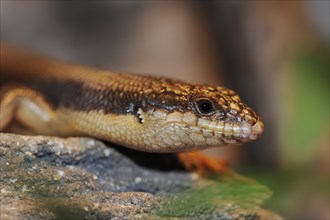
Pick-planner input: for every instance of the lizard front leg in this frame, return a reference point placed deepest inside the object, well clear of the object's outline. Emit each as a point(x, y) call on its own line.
point(27, 107)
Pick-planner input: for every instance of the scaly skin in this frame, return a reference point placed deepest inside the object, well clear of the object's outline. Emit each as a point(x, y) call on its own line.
point(141, 112)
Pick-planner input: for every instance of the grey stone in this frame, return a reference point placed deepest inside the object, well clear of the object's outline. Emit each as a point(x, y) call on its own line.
point(81, 178)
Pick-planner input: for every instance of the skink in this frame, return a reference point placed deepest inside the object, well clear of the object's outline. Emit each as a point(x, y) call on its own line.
point(140, 112)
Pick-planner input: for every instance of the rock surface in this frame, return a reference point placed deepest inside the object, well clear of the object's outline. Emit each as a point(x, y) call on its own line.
point(81, 178)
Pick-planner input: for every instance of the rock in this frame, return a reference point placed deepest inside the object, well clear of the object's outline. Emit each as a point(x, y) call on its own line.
point(81, 178)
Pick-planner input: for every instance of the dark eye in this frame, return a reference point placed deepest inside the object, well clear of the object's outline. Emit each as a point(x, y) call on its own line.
point(204, 106)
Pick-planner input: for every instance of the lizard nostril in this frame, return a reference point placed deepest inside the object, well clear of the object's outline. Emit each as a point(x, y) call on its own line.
point(258, 127)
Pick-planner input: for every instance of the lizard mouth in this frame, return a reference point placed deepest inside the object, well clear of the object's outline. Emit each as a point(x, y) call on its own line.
point(244, 132)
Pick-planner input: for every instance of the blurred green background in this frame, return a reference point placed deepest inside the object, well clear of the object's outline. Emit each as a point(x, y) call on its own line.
point(274, 54)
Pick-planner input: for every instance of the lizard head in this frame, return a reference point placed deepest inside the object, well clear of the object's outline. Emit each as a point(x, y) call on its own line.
point(187, 116)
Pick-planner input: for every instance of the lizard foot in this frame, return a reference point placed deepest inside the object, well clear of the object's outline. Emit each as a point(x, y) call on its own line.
point(204, 165)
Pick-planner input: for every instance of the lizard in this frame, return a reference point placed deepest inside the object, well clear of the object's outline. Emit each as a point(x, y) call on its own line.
point(45, 96)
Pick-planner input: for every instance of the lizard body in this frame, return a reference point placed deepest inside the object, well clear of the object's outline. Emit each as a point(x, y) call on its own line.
point(140, 112)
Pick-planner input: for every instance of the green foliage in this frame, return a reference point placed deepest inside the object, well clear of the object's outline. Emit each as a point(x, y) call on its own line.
point(310, 105)
point(293, 188)
point(224, 194)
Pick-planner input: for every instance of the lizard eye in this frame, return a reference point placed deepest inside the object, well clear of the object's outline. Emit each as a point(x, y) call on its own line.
point(204, 106)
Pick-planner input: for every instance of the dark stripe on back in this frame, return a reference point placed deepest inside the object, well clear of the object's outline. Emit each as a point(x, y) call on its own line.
point(77, 96)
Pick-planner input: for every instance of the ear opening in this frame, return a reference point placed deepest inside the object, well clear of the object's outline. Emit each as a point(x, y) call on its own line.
point(138, 112)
